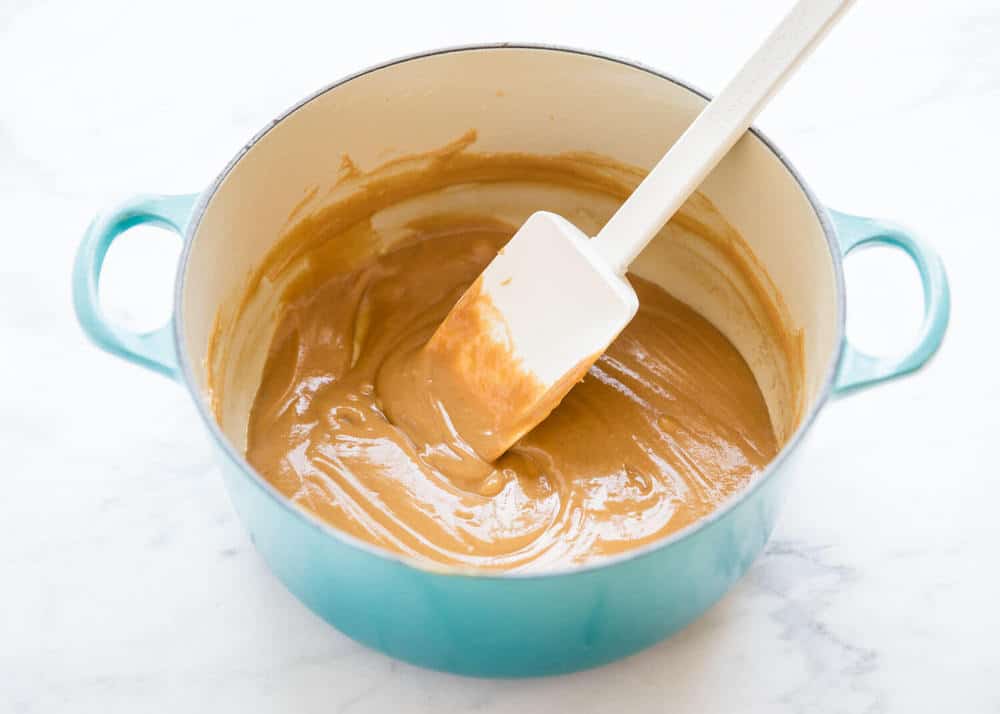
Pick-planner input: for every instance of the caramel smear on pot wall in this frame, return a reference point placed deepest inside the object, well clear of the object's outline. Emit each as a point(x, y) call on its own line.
point(663, 428)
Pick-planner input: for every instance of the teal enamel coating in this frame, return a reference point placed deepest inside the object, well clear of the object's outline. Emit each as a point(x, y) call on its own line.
point(500, 625)
point(857, 368)
point(155, 350)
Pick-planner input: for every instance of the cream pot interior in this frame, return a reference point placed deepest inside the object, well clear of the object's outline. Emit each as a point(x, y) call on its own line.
point(515, 99)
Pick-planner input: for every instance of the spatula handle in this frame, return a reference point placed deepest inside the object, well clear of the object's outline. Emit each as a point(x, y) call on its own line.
point(714, 132)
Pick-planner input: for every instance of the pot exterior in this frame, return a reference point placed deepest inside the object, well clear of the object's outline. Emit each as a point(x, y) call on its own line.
point(506, 626)
point(486, 625)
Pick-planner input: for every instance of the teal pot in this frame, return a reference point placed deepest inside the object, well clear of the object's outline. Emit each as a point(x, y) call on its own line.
point(539, 100)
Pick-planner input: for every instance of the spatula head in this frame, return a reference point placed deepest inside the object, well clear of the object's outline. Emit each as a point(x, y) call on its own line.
point(527, 330)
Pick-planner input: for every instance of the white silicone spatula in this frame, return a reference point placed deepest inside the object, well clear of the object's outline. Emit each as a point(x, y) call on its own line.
point(560, 298)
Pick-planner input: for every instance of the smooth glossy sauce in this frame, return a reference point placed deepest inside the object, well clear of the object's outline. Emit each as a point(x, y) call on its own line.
point(666, 425)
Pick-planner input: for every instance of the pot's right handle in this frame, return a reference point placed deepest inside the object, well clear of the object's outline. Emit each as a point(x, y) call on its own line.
point(155, 350)
point(857, 368)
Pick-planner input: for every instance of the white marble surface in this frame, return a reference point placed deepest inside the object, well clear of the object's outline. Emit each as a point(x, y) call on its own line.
point(128, 585)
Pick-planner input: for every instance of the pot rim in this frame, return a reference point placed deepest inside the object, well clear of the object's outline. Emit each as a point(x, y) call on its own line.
point(239, 460)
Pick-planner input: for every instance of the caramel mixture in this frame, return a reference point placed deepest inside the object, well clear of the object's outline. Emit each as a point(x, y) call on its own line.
point(667, 424)
point(474, 391)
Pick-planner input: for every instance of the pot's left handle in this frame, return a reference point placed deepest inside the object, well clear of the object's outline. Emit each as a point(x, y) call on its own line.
point(155, 350)
point(857, 368)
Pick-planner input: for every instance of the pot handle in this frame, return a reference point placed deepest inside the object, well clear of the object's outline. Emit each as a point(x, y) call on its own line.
point(857, 368)
point(155, 350)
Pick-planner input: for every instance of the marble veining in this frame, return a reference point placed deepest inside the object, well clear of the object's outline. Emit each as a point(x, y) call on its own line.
point(803, 578)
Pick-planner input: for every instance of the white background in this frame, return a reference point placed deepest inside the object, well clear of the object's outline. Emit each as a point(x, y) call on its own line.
point(126, 583)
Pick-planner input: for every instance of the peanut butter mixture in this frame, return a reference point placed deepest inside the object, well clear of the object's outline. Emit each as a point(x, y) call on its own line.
point(667, 424)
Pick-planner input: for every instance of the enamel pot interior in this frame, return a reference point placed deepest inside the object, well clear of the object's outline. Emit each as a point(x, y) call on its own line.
point(524, 99)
